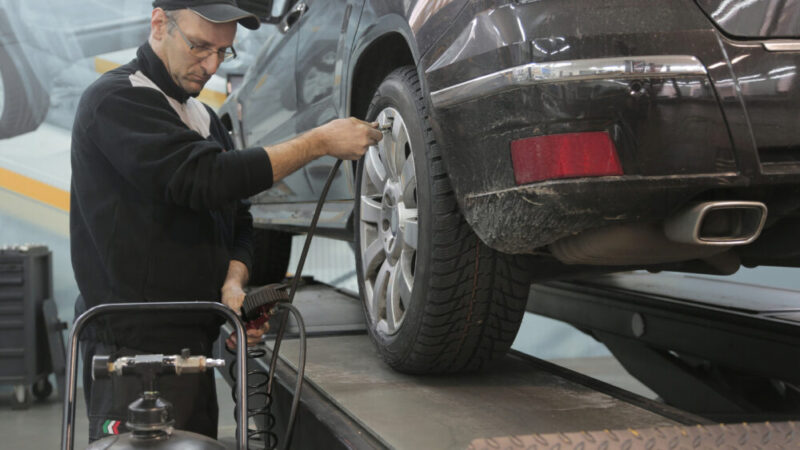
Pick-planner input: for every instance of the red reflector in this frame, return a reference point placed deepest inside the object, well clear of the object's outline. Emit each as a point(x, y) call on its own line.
point(570, 155)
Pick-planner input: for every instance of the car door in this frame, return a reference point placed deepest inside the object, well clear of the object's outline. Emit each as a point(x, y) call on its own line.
point(270, 106)
point(326, 33)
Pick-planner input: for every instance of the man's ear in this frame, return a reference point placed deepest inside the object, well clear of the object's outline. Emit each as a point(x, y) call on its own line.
point(158, 24)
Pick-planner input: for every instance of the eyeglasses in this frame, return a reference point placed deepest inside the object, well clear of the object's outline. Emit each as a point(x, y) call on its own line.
point(203, 52)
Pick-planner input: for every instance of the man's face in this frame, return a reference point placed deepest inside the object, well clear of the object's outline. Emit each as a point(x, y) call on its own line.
point(187, 70)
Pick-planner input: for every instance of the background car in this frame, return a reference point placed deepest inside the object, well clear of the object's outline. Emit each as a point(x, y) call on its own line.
point(529, 140)
point(39, 39)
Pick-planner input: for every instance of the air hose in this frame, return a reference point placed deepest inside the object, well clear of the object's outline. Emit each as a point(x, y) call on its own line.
point(257, 307)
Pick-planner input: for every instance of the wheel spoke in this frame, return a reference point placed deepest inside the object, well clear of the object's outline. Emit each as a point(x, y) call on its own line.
point(400, 135)
point(370, 210)
point(411, 230)
point(402, 289)
point(393, 313)
point(373, 256)
point(386, 148)
point(379, 291)
point(400, 138)
point(408, 180)
point(376, 172)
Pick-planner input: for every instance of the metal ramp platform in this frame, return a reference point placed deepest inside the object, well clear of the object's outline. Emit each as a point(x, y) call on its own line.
point(351, 399)
point(725, 350)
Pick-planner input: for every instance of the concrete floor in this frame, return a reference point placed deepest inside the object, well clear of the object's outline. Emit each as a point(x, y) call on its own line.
point(39, 426)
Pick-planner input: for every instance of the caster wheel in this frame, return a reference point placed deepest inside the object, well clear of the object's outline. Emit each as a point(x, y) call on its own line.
point(42, 389)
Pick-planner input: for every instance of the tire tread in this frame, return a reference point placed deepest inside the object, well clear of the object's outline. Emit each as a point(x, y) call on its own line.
point(476, 297)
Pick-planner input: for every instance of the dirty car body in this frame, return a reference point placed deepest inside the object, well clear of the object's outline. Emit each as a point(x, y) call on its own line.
point(587, 136)
point(694, 114)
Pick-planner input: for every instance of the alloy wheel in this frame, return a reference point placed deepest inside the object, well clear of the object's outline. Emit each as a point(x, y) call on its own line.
point(388, 224)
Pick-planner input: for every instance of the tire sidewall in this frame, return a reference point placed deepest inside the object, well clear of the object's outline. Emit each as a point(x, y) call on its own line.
point(395, 92)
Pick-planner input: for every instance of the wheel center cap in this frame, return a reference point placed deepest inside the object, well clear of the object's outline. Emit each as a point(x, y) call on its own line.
point(390, 219)
point(395, 220)
point(391, 211)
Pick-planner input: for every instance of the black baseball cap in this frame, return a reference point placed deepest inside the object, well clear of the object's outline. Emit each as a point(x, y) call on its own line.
point(216, 11)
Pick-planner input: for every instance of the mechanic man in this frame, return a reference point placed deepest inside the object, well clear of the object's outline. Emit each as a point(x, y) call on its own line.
point(157, 210)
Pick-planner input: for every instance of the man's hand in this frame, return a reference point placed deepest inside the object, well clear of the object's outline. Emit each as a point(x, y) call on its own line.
point(253, 336)
point(347, 138)
point(233, 297)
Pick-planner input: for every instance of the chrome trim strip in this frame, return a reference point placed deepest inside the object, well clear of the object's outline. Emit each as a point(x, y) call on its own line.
point(782, 46)
point(659, 66)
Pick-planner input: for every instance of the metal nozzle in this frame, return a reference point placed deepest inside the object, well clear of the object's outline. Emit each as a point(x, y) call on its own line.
point(215, 362)
point(386, 126)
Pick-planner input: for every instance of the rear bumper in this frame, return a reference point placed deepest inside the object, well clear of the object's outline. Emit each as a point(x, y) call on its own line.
point(645, 80)
point(670, 137)
point(524, 218)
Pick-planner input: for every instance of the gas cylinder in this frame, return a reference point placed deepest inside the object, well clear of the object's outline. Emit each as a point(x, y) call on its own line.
point(150, 416)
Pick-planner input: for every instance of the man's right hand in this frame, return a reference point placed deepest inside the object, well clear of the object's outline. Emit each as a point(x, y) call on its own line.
point(347, 138)
point(341, 138)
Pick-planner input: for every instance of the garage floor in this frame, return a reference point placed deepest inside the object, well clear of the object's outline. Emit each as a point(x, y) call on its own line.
point(39, 427)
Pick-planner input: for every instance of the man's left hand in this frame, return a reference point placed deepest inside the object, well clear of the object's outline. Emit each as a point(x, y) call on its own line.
point(253, 336)
point(233, 297)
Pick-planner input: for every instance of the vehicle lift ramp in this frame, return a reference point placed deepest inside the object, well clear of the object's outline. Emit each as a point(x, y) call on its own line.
point(352, 399)
point(725, 350)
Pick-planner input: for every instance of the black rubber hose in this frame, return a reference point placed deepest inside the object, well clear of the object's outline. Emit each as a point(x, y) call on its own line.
point(285, 318)
point(301, 370)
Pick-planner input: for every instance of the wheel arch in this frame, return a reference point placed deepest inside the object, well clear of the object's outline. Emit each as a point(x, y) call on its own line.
point(376, 61)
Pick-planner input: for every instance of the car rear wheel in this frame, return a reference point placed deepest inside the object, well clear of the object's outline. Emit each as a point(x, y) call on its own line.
point(436, 299)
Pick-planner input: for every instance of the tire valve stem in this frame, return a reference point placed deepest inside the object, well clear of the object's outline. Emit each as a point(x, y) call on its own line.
point(386, 126)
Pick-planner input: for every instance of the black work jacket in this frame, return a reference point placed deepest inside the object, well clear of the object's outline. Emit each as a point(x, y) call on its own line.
point(156, 208)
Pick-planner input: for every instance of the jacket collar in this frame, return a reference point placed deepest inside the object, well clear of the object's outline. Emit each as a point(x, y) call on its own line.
point(154, 69)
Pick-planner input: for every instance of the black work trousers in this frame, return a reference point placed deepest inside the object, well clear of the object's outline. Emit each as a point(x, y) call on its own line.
point(193, 396)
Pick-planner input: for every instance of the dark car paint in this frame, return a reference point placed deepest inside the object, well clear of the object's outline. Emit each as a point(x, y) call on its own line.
point(766, 84)
point(759, 19)
point(659, 137)
point(679, 139)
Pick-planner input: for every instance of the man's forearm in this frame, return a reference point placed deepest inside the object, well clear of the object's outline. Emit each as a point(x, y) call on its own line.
point(237, 275)
point(341, 138)
point(291, 155)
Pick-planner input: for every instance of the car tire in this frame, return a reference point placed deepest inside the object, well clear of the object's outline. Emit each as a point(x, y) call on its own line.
point(272, 250)
point(436, 299)
point(23, 100)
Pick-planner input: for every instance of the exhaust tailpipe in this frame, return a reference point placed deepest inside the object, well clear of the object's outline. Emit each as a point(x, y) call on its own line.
point(717, 223)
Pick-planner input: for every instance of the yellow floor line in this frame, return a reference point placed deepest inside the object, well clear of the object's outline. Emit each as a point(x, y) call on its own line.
point(34, 212)
point(34, 189)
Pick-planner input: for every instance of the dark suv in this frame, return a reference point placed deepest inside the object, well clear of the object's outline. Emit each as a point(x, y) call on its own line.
point(531, 140)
